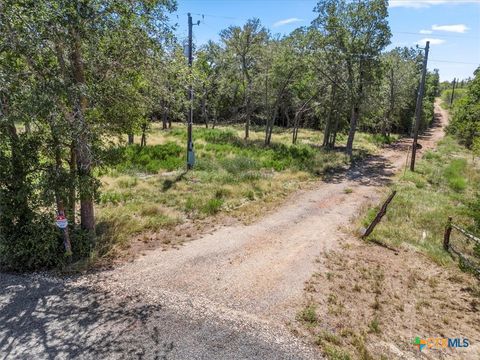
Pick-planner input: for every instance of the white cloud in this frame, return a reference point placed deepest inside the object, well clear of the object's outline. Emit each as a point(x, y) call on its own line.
point(426, 31)
point(426, 3)
point(459, 28)
point(287, 21)
point(432, 41)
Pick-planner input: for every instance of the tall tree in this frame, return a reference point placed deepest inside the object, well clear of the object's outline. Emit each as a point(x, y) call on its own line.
point(357, 31)
point(90, 58)
point(466, 115)
point(245, 45)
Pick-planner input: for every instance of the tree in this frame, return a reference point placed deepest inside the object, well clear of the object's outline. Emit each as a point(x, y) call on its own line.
point(358, 32)
point(465, 124)
point(207, 68)
point(284, 66)
point(244, 45)
point(390, 104)
point(79, 66)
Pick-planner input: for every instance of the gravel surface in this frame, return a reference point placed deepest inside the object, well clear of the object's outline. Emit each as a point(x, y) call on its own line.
point(230, 294)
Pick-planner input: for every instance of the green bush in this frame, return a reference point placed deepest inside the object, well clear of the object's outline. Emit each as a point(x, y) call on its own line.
point(212, 206)
point(113, 197)
point(150, 159)
point(454, 174)
point(219, 136)
point(31, 246)
point(380, 139)
point(239, 164)
point(465, 122)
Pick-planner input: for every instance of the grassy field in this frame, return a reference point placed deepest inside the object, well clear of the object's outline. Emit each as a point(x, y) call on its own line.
point(367, 301)
point(147, 190)
point(446, 183)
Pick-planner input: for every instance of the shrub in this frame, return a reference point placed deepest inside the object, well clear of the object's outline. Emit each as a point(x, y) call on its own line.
point(454, 174)
point(239, 164)
point(113, 197)
point(308, 315)
point(32, 245)
point(150, 159)
point(212, 206)
point(127, 182)
point(220, 136)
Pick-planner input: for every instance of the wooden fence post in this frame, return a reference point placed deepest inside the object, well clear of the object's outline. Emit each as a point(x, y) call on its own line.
point(446, 236)
point(379, 216)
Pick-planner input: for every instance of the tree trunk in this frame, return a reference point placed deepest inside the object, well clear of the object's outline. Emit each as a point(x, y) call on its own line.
point(247, 106)
point(328, 125)
point(72, 193)
point(143, 140)
point(296, 123)
point(204, 107)
point(69, 116)
point(269, 127)
point(164, 118)
point(58, 192)
point(83, 146)
point(28, 129)
point(247, 120)
point(214, 118)
point(353, 129)
point(288, 118)
point(131, 138)
point(333, 135)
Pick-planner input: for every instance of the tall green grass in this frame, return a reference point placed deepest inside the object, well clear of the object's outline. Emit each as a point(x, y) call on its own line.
point(444, 184)
point(145, 189)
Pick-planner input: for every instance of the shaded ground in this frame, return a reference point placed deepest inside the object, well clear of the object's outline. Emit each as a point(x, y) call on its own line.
point(230, 294)
point(43, 318)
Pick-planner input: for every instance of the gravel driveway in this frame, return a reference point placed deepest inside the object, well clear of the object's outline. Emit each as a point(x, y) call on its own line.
point(228, 295)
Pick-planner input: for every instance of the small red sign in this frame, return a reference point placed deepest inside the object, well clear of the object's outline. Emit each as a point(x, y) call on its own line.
point(61, 221)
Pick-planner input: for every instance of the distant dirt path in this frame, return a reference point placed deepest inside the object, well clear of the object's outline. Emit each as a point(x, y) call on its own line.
point(244, 282)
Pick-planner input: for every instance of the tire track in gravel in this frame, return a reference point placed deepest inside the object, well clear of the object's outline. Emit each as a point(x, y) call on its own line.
point(229, 294)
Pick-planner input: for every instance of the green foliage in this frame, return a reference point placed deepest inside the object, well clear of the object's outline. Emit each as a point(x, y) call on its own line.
point(333, 353)
point(93, 73)
point(89, 72)
point(150, 159)
point(308, 315)
point(474, 212)
point(458, 94)
point(431, 92)
point(454, 174)
point(374, 326)
point(465, 124)
point(33, 245)
point(212, 206)
point(444, 184)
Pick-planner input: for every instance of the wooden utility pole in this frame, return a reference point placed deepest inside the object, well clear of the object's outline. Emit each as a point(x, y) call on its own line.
point(453, 90)
point(418, 109)
point(190, 150)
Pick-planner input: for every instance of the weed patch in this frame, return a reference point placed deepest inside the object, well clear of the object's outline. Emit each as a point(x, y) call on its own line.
point(442, 186)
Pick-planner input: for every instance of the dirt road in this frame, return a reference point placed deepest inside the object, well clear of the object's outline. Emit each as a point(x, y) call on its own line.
point(229, 294)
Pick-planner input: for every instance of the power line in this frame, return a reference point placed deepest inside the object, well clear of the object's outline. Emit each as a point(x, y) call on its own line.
point(455, 62)
point(435, 34)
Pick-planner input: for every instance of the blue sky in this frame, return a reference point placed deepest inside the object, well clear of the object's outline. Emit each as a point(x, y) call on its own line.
point(453, 26)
